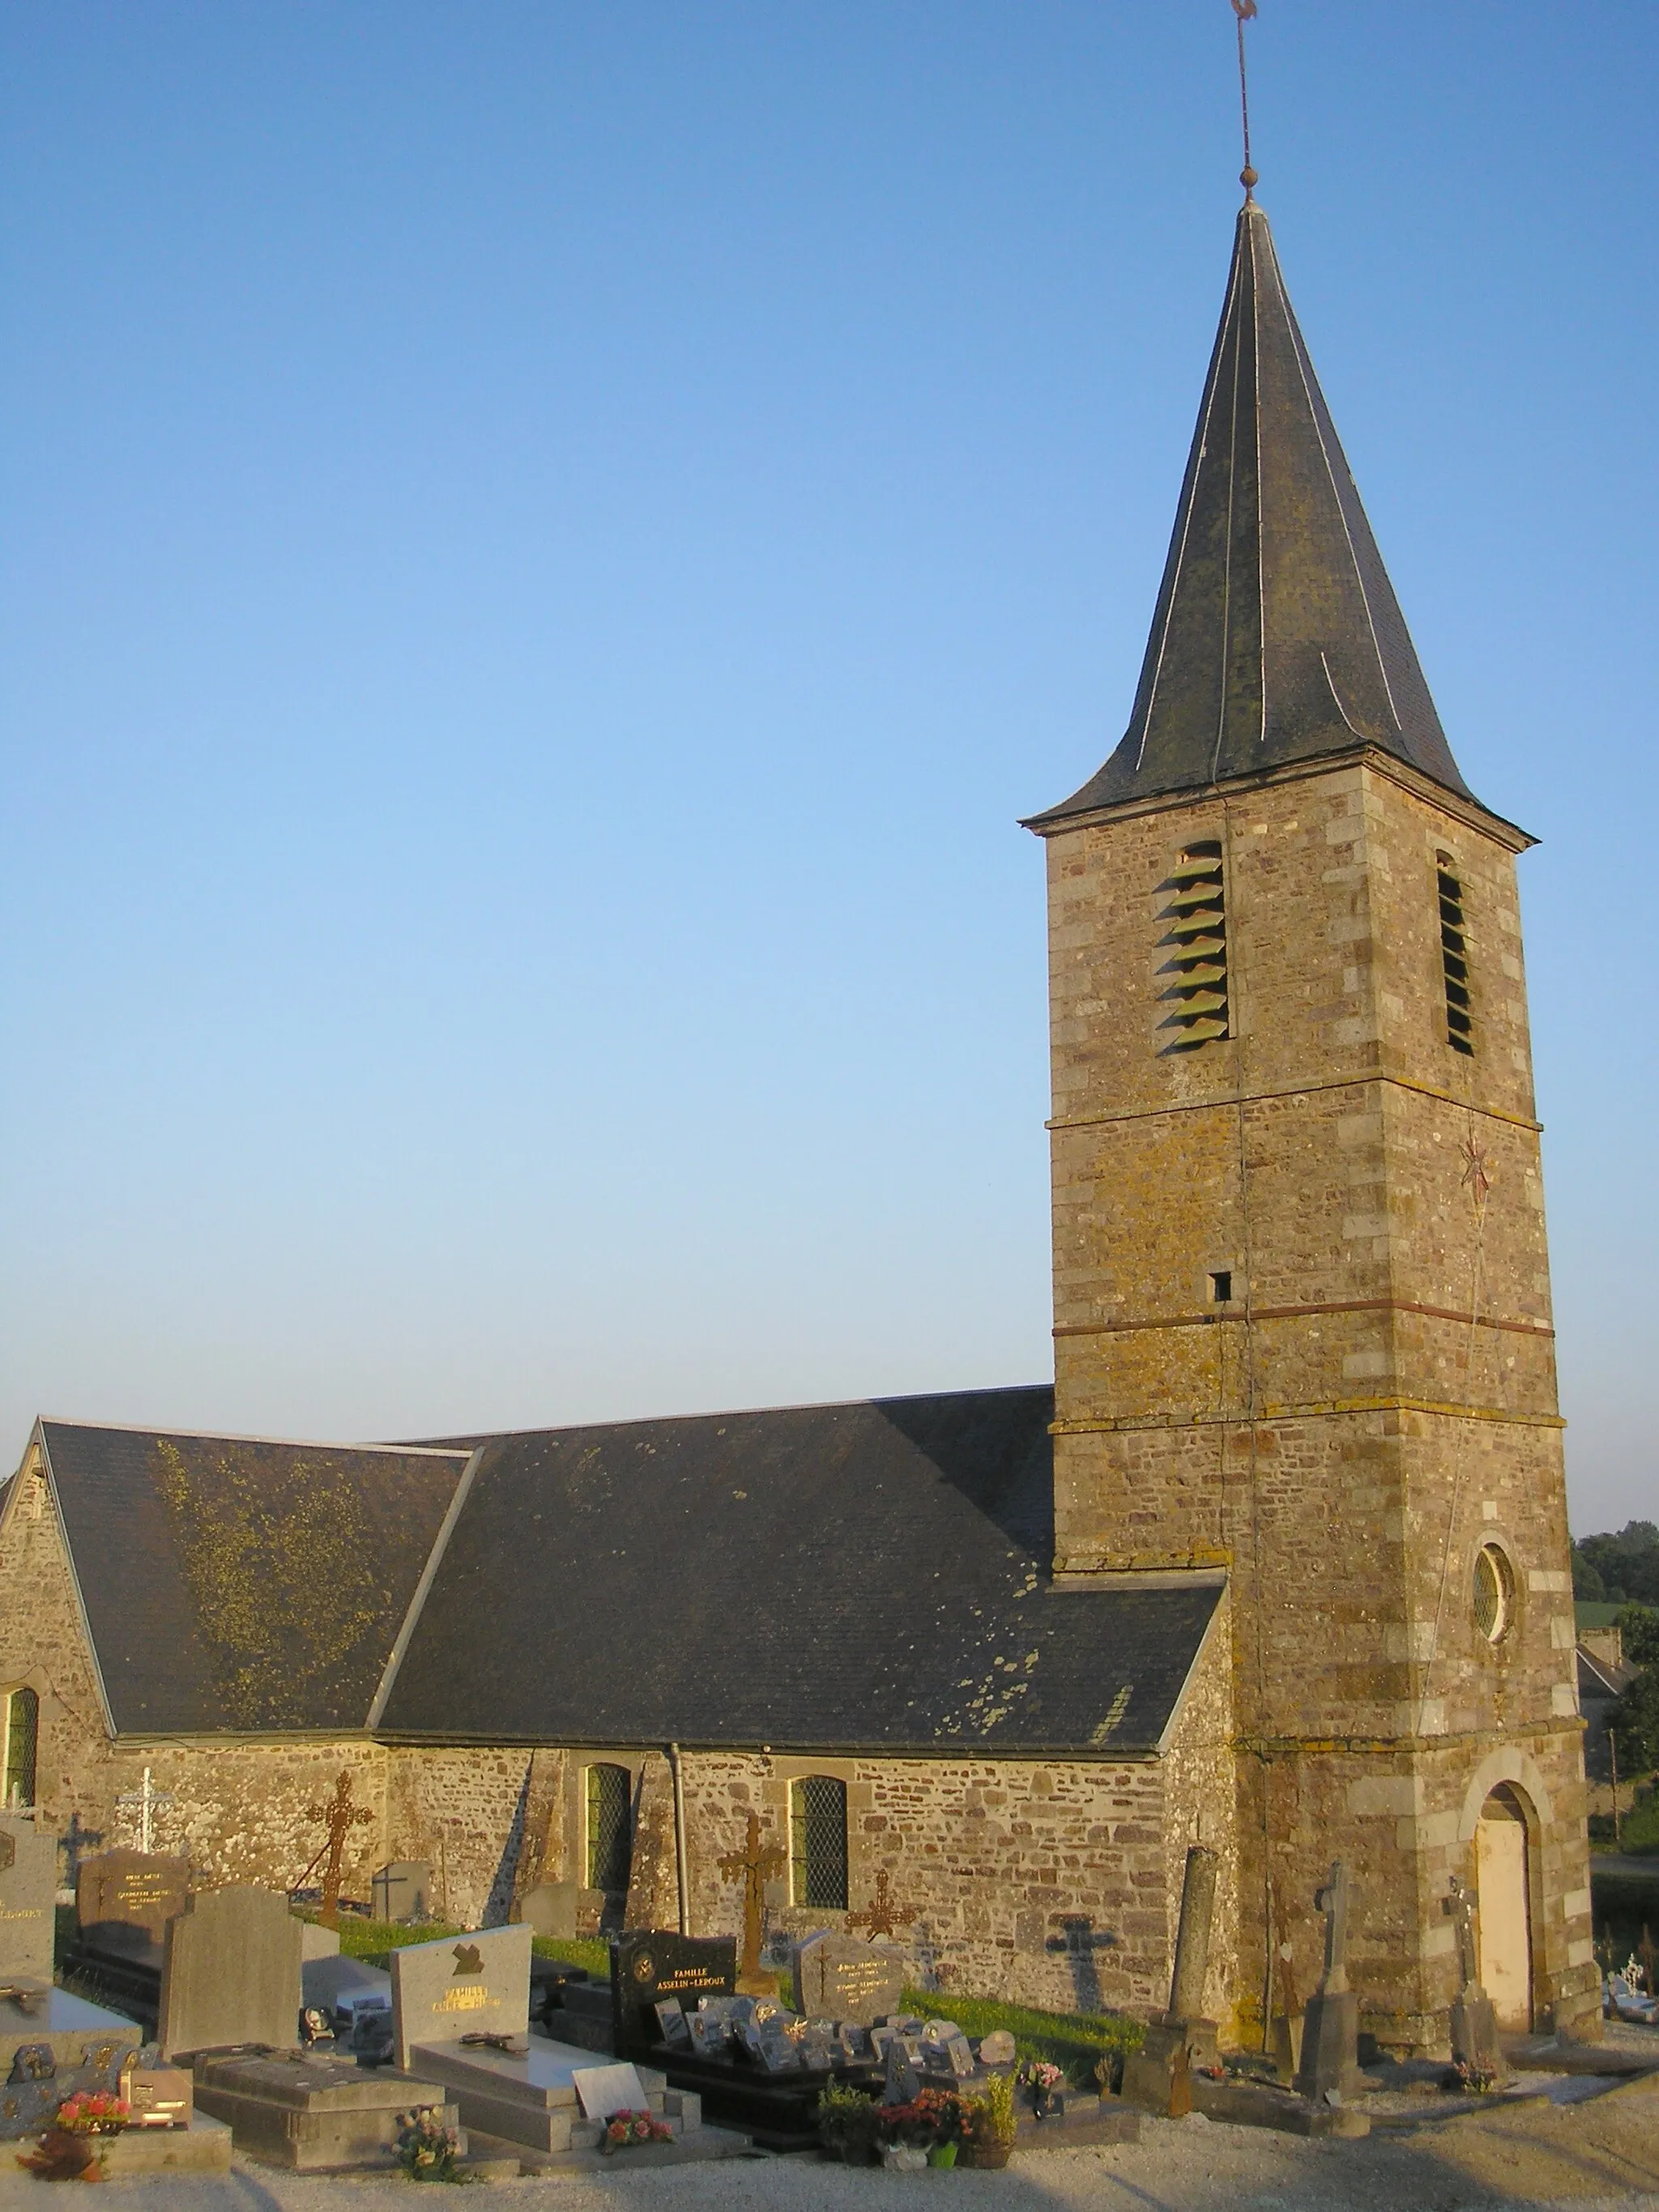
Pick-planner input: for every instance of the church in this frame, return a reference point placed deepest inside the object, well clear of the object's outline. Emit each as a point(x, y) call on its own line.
point(1278, 1564)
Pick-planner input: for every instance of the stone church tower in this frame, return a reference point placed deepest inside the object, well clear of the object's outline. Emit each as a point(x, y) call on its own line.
point(1302, 1304)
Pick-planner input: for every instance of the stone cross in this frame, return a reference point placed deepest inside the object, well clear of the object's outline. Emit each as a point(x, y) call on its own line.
point(882, 1915)
point(342, 1816)
point(146, 1800)
point(754, 1866)
point(1459, 1908)
point(1333, 1901)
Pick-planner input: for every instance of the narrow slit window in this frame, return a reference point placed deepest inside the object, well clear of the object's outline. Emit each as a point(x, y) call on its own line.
point(1221, 1286)
point(1454, 958)
point(1193, 909)
point(817, 1842)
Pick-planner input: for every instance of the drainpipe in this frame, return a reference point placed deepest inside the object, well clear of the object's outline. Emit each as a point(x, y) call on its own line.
point(682, 1880)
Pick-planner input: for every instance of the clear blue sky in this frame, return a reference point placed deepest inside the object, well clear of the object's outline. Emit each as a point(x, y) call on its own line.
point(548, 545)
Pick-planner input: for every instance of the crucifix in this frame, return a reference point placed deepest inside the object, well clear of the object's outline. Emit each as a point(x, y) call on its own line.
point(882, 1915)
point(1459, 1908)
point(342, 1816)
point(146, 1800)
point(754, 1866)
point(1333, 1901)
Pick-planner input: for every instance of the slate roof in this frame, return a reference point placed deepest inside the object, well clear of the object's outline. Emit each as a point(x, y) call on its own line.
point(1277, 637)
point(865, 1576)
point(241, 1585)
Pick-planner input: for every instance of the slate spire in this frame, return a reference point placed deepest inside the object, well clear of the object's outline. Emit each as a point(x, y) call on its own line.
point(1277, 636)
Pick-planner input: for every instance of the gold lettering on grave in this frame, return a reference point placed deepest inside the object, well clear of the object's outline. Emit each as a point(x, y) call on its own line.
point(463, 2000)
point(32, 1912)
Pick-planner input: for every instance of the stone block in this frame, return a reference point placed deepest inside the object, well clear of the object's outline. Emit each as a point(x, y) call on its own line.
point(309, 2113)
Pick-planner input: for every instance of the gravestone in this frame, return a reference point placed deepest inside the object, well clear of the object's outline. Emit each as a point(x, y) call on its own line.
point(402, 1891)
point(1330, 2030)
point(1474, 2036)
point(551, 1909)
point(29, 1904)
point(658, 1964)
point(1157, 2077)
point(903, 2071)
point(124, 1900)
point(842, 1977)
point(460, 1985)
point(997, 2048)
point(230, 1973)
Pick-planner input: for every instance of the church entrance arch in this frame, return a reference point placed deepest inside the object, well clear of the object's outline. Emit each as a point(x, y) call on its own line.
point(1502, 1888)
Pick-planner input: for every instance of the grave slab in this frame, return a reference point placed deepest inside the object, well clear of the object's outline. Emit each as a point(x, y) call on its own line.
point(530, 2099)
point(309, 2113)
point(61, 2045)
point(202, 2148)
point(230, 1973)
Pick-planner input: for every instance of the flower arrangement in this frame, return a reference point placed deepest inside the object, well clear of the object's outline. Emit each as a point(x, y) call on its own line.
point(623, 2130)
point(92, 2112)
point(1462, 2079)
point(933, 2117)
point(427, 2149)
point(1043, 2082)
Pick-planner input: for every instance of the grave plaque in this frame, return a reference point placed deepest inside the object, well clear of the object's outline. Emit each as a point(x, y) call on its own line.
point(843, 1977)
point(460, 1985)
point(997, 2048)
point(903, 2071)
point(671, 2020)
point(230, 1973)
point(652, 1967)
point(402, 1890)
point(603, 2090)
point(124, 1900)
point(29, 1900)
point(710, 2034)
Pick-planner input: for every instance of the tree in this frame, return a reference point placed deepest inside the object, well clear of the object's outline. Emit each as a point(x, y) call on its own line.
point(1635, 1715)
point(1621, 1569)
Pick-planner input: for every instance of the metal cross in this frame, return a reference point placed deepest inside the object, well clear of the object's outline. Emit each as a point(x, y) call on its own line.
point(1459, 1907)
point(147, 1800)
point(754, 1866)
point(1333, 1901)
point(882, 1916)
point(342, 1816)
point(1477, 1174)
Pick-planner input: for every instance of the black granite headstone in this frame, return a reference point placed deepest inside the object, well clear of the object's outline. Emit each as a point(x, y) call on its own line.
point(650, 1966)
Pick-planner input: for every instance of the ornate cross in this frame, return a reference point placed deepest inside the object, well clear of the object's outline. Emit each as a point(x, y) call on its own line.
point(1459, 1907)
point(882, 1915)
point(1477, 1172)
point(1333, 1901)
point(754, 1866)
point(342, 1816)
point(146, 1800)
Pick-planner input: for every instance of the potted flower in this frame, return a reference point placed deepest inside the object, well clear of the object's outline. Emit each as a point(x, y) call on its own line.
point(1045, 2084)
point(948, 2116)
point(993, 2127)
point(847, 2124)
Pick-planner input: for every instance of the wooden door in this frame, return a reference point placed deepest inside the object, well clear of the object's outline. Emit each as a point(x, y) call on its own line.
point(1500, 1873)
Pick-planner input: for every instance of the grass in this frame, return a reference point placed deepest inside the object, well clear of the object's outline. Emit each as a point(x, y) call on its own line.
point(374, 1940)
point(1074, 2041)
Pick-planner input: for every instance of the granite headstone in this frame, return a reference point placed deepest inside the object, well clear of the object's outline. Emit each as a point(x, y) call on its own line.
point(124, 1900)
point(842, 1977)
point(657, 1964)
point(230, 1973)
point(460, 1985)
point(28, 1901)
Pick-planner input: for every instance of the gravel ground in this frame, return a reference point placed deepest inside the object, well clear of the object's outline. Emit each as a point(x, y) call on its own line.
point(1596, 2155)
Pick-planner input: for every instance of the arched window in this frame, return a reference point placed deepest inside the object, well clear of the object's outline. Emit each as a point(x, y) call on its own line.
point(22, 1711)
point(817, 1842)
point(610, 1828)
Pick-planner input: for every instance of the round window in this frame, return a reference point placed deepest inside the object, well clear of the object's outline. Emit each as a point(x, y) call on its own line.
point(1494, 1593)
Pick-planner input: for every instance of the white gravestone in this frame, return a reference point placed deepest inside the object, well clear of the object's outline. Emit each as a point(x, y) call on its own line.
point(460, 1985)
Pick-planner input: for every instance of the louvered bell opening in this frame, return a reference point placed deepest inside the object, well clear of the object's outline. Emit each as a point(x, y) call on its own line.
point(1193, 909)
point(1454, 961)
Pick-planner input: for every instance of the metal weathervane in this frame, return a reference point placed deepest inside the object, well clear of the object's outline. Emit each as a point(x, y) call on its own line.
point(1244, 9)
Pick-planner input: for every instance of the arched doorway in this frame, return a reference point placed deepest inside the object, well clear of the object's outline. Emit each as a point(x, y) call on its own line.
point(1503, 1890)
